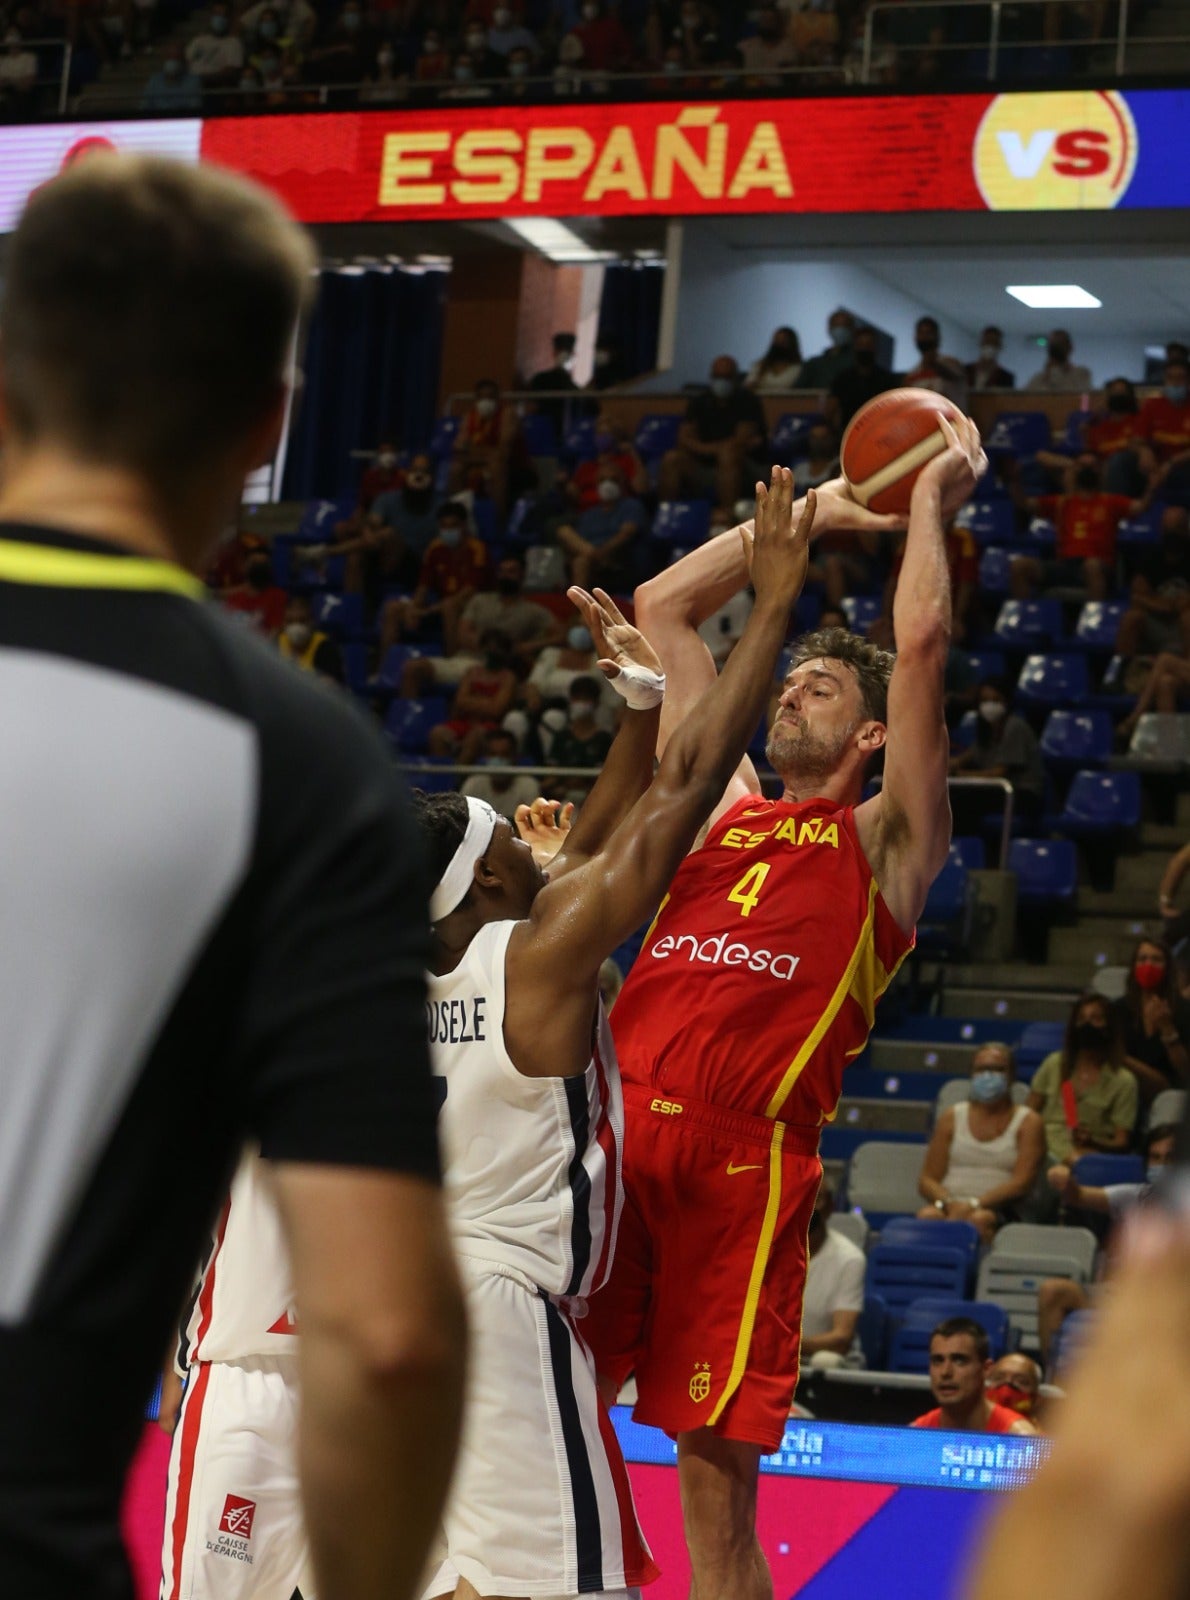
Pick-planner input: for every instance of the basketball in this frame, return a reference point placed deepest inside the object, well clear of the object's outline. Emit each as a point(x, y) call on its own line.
point(887, 443)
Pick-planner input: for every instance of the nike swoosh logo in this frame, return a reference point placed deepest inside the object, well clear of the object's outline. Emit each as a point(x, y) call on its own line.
point(732, 1169)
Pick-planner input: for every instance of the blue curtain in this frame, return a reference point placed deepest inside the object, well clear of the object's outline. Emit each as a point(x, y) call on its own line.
point(371, 369)
point(630, 313)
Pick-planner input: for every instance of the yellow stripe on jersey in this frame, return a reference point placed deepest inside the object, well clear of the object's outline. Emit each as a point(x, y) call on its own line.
point(772, 1210)
point(50, 567)
point(819, 1030)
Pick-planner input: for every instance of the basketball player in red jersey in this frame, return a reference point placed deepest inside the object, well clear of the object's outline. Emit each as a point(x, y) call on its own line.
point(755, 986)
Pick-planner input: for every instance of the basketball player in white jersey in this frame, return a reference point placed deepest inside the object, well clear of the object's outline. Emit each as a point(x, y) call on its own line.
point(532, 1116)
point(233, 1521)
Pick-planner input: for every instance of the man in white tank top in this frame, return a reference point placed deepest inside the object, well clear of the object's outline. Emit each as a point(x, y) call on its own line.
point(532, 1119)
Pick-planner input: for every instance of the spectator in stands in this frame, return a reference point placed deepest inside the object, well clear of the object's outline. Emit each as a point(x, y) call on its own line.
point(1004, 746)
point(617, 450)
point(1058, 1297)
point(1164, 690)
point(767, 52)
point(258, 599)
point(944, 375)
point(307, 646)
point(834, 1294)
point(555, 377)
point(720, 444)
point(433, 60)
point(1015, 1382)
point(484, 695)
point(291, 22)
point(610, 365)
point(822, 462)
point(382, 476)
point(1115, 436)
point(858, 383)
point(228, 568)
point(986, 1152)
point(779, 368)
point(503, 792)
point(695, 35)
point(528, 627)
point(484, 61)
point(1165, 422)
point(346, 51)
point(489, 453)
point(581, 742)
point(986, 372)
point(959, 1367)
point(507, 35)
point(173, 87)
point(557, 667)
point(821, 371)
point(216, 53)
point(1154, 1022)
point(454, 568)
point(1158, 618)
point(1087, 1098)
point(600, 546)
point(597, 42)
point(392, 537)
point(1059, 372)
point(18, 73)
point(384, 82)
point(1087, 520)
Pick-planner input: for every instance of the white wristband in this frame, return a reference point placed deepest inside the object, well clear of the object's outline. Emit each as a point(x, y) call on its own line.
point(640, 687)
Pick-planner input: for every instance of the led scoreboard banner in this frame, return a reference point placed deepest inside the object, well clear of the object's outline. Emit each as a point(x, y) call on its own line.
point(1071, 150)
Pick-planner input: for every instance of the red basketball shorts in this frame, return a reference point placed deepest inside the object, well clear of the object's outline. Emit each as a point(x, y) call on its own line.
point(704, 1303)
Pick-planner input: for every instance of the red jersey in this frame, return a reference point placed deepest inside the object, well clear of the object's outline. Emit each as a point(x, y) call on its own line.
point(758, 981)
point(448, 568)
point(1000, 1421)
point(1116, 430)
point(1086, 523)
point(1165, 425)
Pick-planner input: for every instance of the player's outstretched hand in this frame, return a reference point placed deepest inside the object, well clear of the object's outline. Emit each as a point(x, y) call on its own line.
point(839, 511)
point(777, 552)
point(954, 473)
point(544, 826)
point(617, 643)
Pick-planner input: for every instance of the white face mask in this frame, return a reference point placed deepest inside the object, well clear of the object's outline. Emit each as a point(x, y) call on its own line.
point(386, 459)
point(501, 16)
point(580, 710)
point(590, 13)
point(609, 489)
point(721, 388)
point(993, 710)
point(486, 407)
point(298, 634)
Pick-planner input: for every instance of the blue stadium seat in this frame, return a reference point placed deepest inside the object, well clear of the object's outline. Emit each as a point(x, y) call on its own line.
point(1072, 434)
point(486, 517)
point(873, 1331)
point(388, 674)
point(516, 532)
point(910, 1347)
point(791, 433)
point(988, 521)
point(900, 1274)
point(341, 615)
point(1073, 739)
point(408, 722)
point(1097, 626)
point(442, 439)
point(995, 570)
point(656, 433)
point(1019, 433)
point(541, 438)
point(1029, 624)
point(1041, 535)
point(1101, 803)
point(1100, 1171)
point(986, 664)
point(355, 667)
point(963, 734)
point(579, 439)
point(862, 611)
point(1053, 680)
point(684, 522)
point(806, 612)
point(1046, 871)
point(1142, 529)
point(319, 518)
point(913, 1231)
point(1037, 1040)
point(971, 851)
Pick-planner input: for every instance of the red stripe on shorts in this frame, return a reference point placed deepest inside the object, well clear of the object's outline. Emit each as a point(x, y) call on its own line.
point(638, 1567)
point(206, 1298)
point(191, 1418)
point(607, 1143)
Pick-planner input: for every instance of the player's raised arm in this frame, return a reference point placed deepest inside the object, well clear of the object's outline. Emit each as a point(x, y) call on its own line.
point(671, 607)
point(905, 830)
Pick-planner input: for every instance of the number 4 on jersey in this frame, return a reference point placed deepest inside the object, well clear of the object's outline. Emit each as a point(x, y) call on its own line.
point(747, 892)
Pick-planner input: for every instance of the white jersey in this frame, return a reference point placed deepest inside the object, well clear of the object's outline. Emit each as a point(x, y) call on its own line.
point(243, 1302)
point(532, 1164)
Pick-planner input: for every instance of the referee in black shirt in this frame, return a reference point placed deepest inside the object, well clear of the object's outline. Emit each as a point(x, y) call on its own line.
point(212, 920)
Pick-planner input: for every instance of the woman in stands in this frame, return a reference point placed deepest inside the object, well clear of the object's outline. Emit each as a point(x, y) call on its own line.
point(986, 1153)
point(1004, 746)
point(1085, 1094)
point(1154, 1022)
point(777, 371)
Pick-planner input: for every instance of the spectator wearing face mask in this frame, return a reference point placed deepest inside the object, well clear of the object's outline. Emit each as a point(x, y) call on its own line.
point(557, 667)
point(1165, 421)
point(432, 64)
point(346, 51)
point(484, 695)
point(601, 545)
point(489, 452)
point(822, 463)
point(485, 63)
point(986, 1152)
point(1154, 1022)
point(721, 442)
point(1015, 1383)
point(580, 742)
point(527, 626)
point(384, 82)
point(296, 22)
point(1004, 746)
point(386, 545)
point(454, 568)
point(944, 375)
point(1087, 520)
point(821, 371)
point(1084, 1093)
point(597, 42)
point(382, 474)
point(503, 792)
point(258, 599)
point(616, 450)
point(1059, 372)
point(779, 369)
point(985, 372)
point(173, 87)
point(858, 383)
point(554, 379)
point(765, 53)
point(307, 646)
point(216, 55)
point(507, 34)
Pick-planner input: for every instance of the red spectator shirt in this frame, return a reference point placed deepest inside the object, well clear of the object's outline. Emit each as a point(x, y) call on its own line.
point(1115, 431)
point(1087, 523)
point(446, 569)
point(377, 481)
point(605, 44)
point(587, 474)
point(1000, 1421)
point(264, 608)
point(1166, 426)
point(962, 558)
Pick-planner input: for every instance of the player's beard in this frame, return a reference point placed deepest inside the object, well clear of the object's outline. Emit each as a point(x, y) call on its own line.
point(793, 750)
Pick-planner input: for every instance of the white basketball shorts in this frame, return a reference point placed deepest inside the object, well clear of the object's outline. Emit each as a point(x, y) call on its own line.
point(233, 1520)
point(540, 1504)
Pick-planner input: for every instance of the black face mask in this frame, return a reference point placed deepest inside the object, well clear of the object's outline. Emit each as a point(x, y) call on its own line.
point(1091, 1036)
point(927, 347)
point(1120, 404)
point(865, 358)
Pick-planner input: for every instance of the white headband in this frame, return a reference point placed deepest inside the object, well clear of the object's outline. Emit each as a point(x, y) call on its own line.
point(456, 880)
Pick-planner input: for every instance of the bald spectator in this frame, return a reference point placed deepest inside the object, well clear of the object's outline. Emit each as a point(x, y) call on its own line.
point(1015, 1383)
point(1059, 372)
point(959, 1368)
point(720, 444)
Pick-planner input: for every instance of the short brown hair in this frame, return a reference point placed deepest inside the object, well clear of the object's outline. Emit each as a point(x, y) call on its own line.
point(149, 311)
point(870, 666)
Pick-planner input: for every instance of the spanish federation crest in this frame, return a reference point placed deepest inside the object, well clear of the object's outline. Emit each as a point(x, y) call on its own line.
point(700, 1383)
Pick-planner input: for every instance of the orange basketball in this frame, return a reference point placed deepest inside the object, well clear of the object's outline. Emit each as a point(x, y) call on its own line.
point(887, 443)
